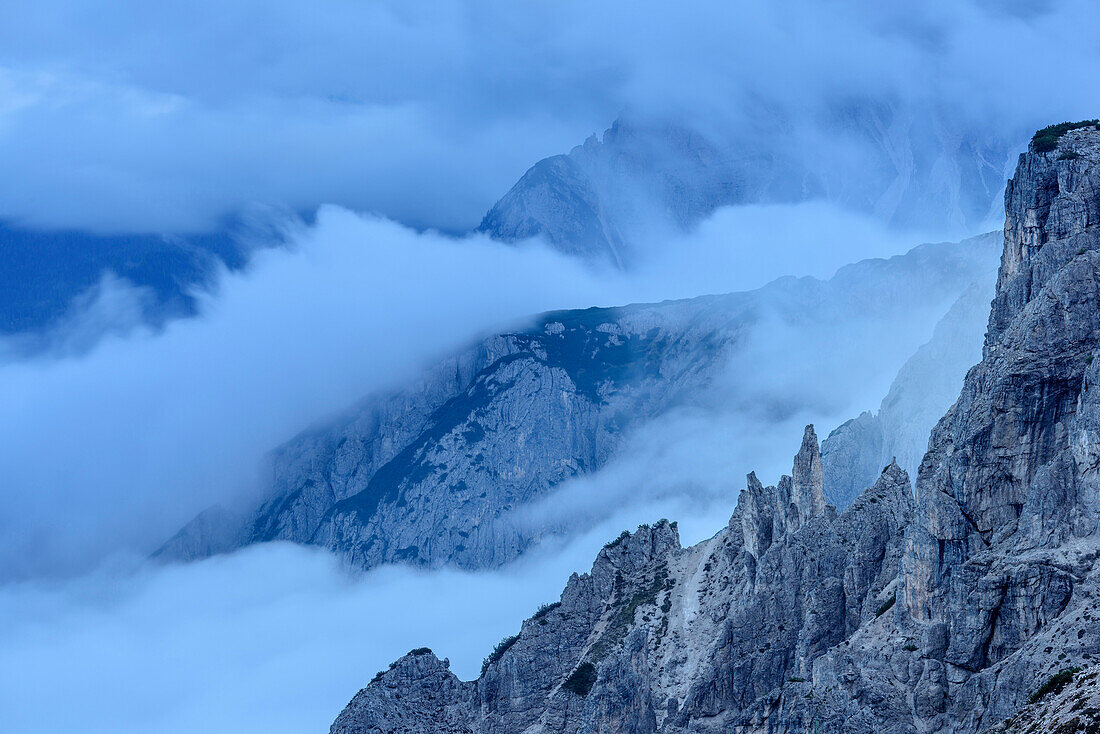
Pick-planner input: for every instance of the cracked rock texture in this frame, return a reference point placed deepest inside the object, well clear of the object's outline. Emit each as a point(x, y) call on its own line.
point(676, 639)
point(946, 613)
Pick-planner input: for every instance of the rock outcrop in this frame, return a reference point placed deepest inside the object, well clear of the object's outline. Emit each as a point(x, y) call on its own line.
point(957, 614)
point(662, 638)
point(429, 474)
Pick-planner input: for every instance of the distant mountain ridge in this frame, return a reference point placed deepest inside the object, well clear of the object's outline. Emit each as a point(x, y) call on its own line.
point(603, 197)
point(925, 387)
point(429, 475)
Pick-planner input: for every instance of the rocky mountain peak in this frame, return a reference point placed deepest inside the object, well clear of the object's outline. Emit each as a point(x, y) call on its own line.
point(770, 513)
point(807, 493)
point(1051, 207)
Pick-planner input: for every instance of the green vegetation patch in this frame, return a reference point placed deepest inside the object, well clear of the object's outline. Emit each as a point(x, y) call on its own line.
point(623, 617)
point(1047, 139)
point(622, 536)
point(886, 605)
point(543, 611)
point(1054, 684)
point(581, 680)
point(498, 652)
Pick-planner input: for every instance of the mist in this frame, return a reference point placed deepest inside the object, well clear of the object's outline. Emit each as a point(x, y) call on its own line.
point(165, 118)
point(118, 446)
point(274, 638)
point(110, 449)
point(384, 131)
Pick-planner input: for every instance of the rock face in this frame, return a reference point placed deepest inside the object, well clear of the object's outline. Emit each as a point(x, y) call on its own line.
point(1068, 701)
point(214, 530)
point(428, 475)
point(662, 638)
point(606, 195)
point(925, 387)
point(949, 615)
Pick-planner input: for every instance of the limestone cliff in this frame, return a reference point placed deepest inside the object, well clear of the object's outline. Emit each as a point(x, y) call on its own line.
point(954, 614)
point(662, 638)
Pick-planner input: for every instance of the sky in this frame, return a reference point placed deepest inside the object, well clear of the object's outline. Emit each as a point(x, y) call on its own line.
point(128, 116)
point(391, 127)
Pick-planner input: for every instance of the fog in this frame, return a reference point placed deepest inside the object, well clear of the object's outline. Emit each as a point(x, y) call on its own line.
point(397, 126)
point(166, 117)
point(111, 448)
point(274, 638)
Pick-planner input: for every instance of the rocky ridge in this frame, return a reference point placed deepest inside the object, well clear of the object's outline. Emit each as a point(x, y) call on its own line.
point(658, 637)
point(943, 615)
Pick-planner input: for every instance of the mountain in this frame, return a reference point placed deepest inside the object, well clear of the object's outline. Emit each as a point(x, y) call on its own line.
point(662, 638)
point(65, 288)
point(908, 169)
point(44, 271)
point(923, 390)
point(969, 607)
point(434, 473)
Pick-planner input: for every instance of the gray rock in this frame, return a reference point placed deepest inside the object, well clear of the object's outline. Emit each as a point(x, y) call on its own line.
point(662, 638)
point(214, 530)
point(949, 615)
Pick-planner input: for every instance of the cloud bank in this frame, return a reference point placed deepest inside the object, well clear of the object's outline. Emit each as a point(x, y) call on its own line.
point(118, 446)
point(274, 638)
point(168, 116)
point(111, 448)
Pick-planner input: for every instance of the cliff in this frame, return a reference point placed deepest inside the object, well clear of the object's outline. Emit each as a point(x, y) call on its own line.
point(953, 613)
point(661, 638)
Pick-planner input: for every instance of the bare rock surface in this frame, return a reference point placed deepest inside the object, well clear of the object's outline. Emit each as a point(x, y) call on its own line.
point(657, 637)
point(950, 612)
point(606, 198)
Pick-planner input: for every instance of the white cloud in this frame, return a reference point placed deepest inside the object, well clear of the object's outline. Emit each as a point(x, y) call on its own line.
point(119, 446)
point(274, 638)
point(169, 116)
point(112, 450)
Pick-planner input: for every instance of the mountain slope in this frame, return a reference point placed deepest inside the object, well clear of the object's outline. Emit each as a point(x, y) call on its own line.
point(660, 638)
point(429, 474)
point(607, 195)
point(948, 614)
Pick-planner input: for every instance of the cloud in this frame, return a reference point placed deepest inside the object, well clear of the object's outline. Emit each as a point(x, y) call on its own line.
point(111, 448)
point(118, 446)
point(168, 116)
point(275, 638)
point(743, 247)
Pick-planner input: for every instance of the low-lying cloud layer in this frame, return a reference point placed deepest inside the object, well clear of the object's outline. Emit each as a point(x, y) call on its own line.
point(111, 450)
point(117, 447)
point(168, 116)
point(274, 638)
